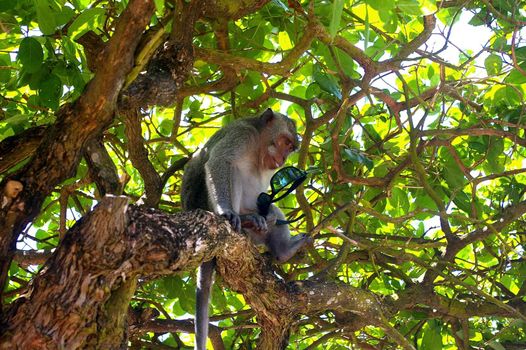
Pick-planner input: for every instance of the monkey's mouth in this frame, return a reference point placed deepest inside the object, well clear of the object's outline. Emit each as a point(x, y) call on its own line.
point(278, 161)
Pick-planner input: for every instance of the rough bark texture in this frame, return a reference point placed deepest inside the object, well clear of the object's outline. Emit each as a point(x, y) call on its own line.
point(19, 147)
point(232, 9)
point(79, 299)
point(277, 304)
point(59, 152)
point(139, 157)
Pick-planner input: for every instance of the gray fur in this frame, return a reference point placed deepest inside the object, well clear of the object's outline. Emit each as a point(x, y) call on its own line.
point(226, 177)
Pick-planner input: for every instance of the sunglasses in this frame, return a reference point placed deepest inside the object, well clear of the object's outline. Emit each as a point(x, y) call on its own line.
point(283, 182)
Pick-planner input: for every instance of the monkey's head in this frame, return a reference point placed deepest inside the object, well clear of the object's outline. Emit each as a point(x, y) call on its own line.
point(279, 138)
point(13, 188)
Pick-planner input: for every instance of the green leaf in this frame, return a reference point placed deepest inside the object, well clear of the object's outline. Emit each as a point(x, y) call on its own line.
point(284, 41)
point(367, 31)
point(432, 338)
point(399, 199)
point(477, 20)
point(5, 68)
point(493, 64)
point(423, 201)
point(219, 298)
point(7, 5)
point(390, 20)
point(327, 82)
point(515, 76)
point(30, 54)
point(337, 9)
point(41, 235)
point(81, 4)
point(382, 5)
point(159, 6)
point(410, 7)
point(500, 43)
point(520, 52)
point(46, 17)
point(64, 16)
point(451, 171)
point(173, 286)
point(86, 21)
point(313, 90)
point(187, 298)
point(356, 156)
point(462, 201)
point(495, 155)
point(50, 92)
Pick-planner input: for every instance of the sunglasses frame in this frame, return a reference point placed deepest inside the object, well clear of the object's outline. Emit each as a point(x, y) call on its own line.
point(264, 204)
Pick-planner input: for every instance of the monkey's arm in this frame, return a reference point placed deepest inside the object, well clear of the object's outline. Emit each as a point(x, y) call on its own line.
point(222, 178)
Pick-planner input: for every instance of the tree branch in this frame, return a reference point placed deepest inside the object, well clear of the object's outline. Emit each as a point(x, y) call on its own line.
point(121, 242)
point(139, 158)
point(16, 148)
point(59, 152)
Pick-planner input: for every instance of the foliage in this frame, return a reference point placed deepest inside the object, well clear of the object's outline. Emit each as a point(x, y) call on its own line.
point(412, 122)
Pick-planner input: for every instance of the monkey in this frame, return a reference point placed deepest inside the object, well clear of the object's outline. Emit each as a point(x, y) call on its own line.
point(226, 176)
point(11, 191)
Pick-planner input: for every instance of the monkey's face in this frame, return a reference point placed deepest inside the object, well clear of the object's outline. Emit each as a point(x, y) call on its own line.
point(13, 188)
point(279, 139)
point(279, 150)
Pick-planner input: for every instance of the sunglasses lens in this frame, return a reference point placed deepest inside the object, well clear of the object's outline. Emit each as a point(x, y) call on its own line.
point(285, 177)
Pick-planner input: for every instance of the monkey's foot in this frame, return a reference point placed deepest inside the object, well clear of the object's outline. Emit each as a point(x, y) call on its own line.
point(254, 222)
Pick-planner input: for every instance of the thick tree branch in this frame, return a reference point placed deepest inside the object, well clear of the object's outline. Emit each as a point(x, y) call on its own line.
point(119, 243)
point(226, 9)
point(16, 148)
point(169, 67)
point(419, 40)
point(172, 326)
point(59, 152)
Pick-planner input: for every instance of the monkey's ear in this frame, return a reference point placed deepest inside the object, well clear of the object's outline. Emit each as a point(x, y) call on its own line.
point(267, 116)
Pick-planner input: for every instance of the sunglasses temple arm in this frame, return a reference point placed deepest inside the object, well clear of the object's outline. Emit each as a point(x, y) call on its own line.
point(289, 190)
point(285, 222)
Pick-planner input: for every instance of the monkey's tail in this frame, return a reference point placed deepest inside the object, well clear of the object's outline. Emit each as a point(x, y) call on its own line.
point(205, 279)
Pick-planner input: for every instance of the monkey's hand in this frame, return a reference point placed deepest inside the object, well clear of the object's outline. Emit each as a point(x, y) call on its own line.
point(233, 218)
point(255, 222)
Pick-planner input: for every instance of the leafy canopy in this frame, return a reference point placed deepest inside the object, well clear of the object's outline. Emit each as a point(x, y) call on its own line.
point(412, 134)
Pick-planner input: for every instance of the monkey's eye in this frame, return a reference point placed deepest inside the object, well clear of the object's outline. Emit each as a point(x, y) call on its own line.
point(289, 143)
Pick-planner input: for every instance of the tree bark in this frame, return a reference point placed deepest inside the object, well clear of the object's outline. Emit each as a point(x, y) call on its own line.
point(80, 298)
point(59, 152)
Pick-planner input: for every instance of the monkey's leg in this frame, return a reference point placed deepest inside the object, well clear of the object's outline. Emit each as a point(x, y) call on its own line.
point(282, 246)
point(205, 279)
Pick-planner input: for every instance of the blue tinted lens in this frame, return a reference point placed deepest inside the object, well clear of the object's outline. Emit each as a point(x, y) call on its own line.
point(285, 177)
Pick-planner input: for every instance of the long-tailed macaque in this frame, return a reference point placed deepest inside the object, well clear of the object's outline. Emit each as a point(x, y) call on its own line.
point(226, 177)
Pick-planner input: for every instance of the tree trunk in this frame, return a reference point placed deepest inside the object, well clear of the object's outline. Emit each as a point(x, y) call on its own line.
point(80, 298)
